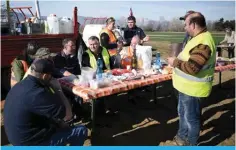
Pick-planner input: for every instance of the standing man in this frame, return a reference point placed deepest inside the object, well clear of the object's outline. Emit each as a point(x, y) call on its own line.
point(66, 61)
point(95, 51)
point(192, 77)
point(131, 30)
point(34, 114)
point(230, 41)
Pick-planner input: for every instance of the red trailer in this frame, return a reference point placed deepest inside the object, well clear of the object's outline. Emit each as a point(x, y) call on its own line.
point(12, 46)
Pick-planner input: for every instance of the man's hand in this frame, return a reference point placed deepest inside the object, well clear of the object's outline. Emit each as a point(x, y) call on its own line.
point(67, 73)
point(69, 115)
point(171, 60)
point(119, 45)
point(146, 39)
point(55, 84)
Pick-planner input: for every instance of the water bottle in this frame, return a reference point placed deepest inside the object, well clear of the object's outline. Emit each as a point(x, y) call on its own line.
point(99, 68)
point(158, 61)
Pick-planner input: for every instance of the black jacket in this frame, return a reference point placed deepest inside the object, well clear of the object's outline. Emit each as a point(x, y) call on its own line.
point(64, 63)
point(129, 33)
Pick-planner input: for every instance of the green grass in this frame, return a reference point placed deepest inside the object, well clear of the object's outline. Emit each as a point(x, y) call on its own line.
point(176, 37)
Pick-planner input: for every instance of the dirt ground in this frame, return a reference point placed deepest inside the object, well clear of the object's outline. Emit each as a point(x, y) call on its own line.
point(147, 123)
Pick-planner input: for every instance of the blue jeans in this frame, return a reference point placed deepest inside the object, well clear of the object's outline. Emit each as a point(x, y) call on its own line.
point(189, 111)
point(74, 136)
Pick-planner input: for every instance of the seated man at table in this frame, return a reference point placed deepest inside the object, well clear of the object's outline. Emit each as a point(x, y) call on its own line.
point(229, 40)
point(66, 61)
point(34, 114)
point(95, 51)
point(127, 52)
point(44, 53)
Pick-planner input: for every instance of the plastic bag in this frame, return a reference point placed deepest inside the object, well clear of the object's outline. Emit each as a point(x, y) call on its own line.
point(144, 56)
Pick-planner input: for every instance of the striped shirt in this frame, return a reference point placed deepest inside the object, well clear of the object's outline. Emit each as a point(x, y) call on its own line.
point(199, 56)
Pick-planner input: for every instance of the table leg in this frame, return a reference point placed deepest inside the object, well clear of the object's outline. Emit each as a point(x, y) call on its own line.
point(93, 115)
point(220, 79)
point(154, 93)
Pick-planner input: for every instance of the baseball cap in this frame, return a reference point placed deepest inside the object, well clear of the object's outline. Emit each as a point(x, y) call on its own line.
point(186, 15)
point(43, 52)
point(43, 66)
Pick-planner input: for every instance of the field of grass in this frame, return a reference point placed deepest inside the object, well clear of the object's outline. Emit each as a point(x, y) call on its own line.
point(177, 37)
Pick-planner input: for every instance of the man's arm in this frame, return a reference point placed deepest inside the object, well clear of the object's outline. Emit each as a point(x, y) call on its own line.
point(105, 42)
point(225, 40)
point(48, 105)
point(198, 58)
point(127, 39)
point(57, 87)
point(59, 67)
point(85, 60)
point(142, 34)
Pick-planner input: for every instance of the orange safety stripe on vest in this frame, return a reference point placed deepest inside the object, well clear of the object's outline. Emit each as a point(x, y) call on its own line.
point(127, 60)
point(13, 79)
point(112, 40)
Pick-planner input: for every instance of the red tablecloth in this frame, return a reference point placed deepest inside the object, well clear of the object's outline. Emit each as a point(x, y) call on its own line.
point(118, 87)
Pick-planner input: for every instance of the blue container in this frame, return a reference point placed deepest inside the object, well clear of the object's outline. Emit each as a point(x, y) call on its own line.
point(99, 68)
point(158, 61)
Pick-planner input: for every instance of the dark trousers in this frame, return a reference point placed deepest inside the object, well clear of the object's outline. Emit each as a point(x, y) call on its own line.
point(231, 52)
point(74, 136)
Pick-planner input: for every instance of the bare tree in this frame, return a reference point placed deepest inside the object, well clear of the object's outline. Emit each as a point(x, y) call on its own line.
point(176, 25)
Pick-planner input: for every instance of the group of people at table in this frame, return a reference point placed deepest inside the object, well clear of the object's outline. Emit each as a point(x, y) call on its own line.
point(36, 109)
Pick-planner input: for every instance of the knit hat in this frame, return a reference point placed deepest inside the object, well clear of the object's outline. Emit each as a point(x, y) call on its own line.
point(43, 52)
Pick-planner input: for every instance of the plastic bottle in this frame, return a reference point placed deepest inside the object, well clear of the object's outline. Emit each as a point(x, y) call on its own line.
point(158, 61)
point(134, 60)
point(99, 68)
point(53, 24)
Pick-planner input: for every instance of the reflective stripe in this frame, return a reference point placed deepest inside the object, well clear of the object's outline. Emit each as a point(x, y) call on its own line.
point(209, 66)
point(112, 40)
point(192, 78)
point(51, 89)
point(93, 61)
point(112, 52)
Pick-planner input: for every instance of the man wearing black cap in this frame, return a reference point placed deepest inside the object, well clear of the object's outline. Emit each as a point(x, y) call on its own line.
point(33, 113)
point(131, 30)
point(186, 38)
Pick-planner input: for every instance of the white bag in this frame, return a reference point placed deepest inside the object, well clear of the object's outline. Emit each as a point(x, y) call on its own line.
point(144, 56)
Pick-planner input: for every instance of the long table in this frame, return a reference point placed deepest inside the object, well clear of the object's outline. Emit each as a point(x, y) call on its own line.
point(90, 95)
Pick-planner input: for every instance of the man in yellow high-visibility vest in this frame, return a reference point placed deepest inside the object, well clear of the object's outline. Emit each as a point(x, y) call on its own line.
point(192, 77)
point(95, 51)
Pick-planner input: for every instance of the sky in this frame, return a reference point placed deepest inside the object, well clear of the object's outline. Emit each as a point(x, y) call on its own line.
point(154, 10)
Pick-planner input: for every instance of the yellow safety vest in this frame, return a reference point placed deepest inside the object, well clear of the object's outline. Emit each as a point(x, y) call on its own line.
point(200, 84)
point(105, 55)
point(112, 40)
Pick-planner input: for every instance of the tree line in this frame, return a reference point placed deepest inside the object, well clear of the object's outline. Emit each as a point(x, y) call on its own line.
point(176, 25)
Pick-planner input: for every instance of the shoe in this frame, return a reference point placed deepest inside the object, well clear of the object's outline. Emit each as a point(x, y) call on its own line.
point(179, 141)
